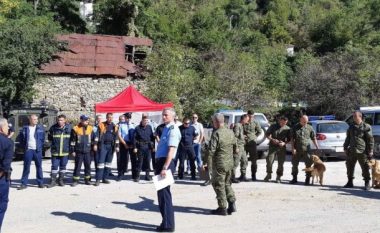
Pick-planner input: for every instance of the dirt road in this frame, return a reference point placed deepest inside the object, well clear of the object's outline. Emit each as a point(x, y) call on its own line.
point(132, 207)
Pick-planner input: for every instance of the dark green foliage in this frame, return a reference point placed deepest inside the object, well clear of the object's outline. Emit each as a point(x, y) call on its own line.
point(26, 42)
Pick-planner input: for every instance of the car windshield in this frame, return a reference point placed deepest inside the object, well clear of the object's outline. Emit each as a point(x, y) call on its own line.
point(334, 127)
point(261, 119)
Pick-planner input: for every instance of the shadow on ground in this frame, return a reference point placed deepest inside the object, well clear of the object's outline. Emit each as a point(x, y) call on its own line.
point(147, 204)
point(356, 191)
point(105, 223)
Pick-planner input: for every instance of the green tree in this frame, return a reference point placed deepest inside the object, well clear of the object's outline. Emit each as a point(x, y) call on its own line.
point(26, 42)
point(65, 12)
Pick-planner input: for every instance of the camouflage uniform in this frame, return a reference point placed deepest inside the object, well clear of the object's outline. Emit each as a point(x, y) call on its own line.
point(359, 144)
point(251, 130)
point(222, 144)
point(302, 135)
point(242, 155)
point(281, 134)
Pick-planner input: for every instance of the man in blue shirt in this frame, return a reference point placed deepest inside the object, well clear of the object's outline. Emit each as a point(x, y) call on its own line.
point(186, 148)
point(31, 139)
point(6, 155)
point(125, 134)
point(166, 150)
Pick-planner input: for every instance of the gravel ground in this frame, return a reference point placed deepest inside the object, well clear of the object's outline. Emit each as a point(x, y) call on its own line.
point(132, 207)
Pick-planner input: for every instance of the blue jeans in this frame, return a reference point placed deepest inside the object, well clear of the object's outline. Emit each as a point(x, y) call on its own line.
point(198, 156)
point(104, 162)
point(4, 193)
point(58, 163)
point(37, 158)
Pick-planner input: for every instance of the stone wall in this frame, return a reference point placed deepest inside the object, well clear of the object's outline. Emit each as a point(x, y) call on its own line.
point(76, 95)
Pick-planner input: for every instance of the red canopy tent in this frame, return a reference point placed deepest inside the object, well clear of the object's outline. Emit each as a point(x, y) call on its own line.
point(130, 100)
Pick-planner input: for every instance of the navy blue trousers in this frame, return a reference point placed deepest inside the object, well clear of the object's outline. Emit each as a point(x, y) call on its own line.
point(123, 159)
point(37, 158)
point(104, 162)
point(59, 163)
point(143, 160)
point(4, 193)
point(79, 159)
point(164, 195)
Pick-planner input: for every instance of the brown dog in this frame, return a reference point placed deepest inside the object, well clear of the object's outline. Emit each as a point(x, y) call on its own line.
point(375, 167)
point(316, 170)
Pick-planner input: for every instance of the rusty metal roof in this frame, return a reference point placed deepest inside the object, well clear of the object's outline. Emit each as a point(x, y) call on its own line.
point(94, 55)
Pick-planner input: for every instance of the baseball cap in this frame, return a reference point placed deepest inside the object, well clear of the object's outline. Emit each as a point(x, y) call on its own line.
point(84, 117)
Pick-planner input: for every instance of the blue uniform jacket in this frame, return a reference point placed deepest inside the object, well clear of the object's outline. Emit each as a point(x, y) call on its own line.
point(6, 153)
point(143, 137)
point(60, 140)
point(39, 135)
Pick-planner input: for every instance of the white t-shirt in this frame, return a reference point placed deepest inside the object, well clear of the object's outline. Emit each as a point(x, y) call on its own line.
point(32, 144)
point(199, 129)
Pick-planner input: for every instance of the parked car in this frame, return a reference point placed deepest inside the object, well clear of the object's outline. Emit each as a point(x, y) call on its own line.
point(371, 115)
point(330, 135)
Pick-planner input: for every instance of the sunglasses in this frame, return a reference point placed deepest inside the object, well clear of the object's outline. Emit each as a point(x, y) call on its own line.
point(186, 123)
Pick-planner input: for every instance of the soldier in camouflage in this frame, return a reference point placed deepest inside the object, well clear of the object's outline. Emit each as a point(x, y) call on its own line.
point(302, 134)
point(278, 136)
point(240, 157)
point(358, 147)
point(252, 130)
point(222, 147)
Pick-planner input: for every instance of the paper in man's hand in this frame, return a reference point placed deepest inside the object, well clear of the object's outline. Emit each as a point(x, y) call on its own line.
point(163, 182)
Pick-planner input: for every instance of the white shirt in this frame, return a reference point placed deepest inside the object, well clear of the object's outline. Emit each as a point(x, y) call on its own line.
point(199, 129)
point(32, 144)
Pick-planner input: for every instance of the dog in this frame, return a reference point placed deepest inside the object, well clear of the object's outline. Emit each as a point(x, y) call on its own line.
point(316, 170)
point(375, 167)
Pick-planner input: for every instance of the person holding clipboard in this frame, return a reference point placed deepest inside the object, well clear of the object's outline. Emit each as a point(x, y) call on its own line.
point(166, 150)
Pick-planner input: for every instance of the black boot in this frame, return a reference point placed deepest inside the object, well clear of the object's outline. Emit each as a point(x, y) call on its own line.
point(367, 187)
point(105, 181)
point(243, 178)
point(268, 177)
point(61, 179)
point(349, 184)
point(147, 176)
point(53, 181)
point(234, 180)
point(254, 176)
point(75, 183)
point(307, 180)
point(231, 207)
point(219, 211)
point(97, 183)
point(87, 181)
point(294, 181)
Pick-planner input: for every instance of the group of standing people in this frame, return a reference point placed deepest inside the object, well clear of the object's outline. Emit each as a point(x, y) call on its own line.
point(225, 151)
point(88, 143)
